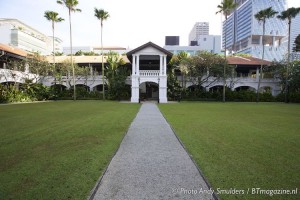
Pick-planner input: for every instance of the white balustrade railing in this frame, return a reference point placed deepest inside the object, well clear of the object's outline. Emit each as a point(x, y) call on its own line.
point(149, 72)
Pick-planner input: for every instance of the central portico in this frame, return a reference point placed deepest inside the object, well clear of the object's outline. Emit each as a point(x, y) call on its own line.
point(149, 67)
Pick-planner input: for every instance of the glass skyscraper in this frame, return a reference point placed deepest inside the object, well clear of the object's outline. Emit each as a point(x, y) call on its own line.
point(244, 32)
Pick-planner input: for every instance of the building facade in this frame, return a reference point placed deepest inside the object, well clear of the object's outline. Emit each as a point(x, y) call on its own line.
point(200, 28)
point(244, 33)
point(209, 43)
point(148, 73)
point(17, 34)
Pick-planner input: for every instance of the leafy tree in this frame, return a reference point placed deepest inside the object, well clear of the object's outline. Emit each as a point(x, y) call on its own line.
point(199, 69)
point(102, 15)
point(288, 14)
point(185, 67)
point(262, 16)
point(34, 67)
point(38, 66)
point(63, 74)
point(91, 53)
point(279, 70)
point(295, 76)
point(206, 68)
point(71, 6)
point(174, 87)
point(16, 69)
point(59, 53)
point(226, 8)
point(79, 53)
point(178, 62)
point(297, 44)
point(116, 75)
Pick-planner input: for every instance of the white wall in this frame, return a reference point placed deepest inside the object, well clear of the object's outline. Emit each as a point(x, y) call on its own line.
point(5, 34)
point(210, 43)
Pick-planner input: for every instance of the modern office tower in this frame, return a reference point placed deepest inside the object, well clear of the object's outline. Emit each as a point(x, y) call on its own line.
point(244, 32)
point(172, 40)
point(200, 28)
point(295, 31)
point(17, 34)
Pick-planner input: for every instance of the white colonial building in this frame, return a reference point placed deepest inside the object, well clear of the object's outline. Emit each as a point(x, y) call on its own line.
point(149, 72)
point(148, 67)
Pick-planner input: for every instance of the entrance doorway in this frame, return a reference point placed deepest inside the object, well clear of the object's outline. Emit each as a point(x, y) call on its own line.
point(149, 91)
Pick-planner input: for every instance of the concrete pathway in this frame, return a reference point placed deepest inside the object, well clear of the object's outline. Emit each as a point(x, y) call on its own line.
point(151, 164)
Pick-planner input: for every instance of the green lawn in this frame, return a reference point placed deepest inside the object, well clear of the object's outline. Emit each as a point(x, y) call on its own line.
point(58, 150)
point(242, 145)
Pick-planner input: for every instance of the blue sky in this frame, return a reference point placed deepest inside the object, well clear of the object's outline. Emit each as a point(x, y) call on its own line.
point(132, 22)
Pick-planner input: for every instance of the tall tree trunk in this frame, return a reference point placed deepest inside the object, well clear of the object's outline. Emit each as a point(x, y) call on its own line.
point(262, 60)
point(224, 68)
point(103, 85)
point(54, 69)
point(73, 69)
point(286, 95)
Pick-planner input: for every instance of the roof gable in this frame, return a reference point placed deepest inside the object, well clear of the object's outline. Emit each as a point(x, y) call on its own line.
point(148, 49)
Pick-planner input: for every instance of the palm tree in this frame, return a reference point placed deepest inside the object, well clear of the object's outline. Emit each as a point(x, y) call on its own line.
point(226, 8)
point(53, 17)
point(71, 5)
point(262, 16)
point(288, 14)
point(102, 15)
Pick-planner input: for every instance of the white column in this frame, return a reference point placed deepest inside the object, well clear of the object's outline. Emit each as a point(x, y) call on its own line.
point(165, 65)
point(133, 65)
point(91, 70)
point(163, 89)
point(260, 40)
point(26, 68)
point(138, 65)
point(160, 65)
point(257, 74)
point(135, 85)
point(4, 65)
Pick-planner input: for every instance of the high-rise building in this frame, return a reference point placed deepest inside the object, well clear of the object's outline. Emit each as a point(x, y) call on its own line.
point(17, 34)
point(295, 31)
point(172, 40)
point(244, 32)
point(200, 28)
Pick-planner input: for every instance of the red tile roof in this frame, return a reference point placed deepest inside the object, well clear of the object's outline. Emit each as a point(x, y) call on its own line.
point(238, 60)
point(13, 50)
